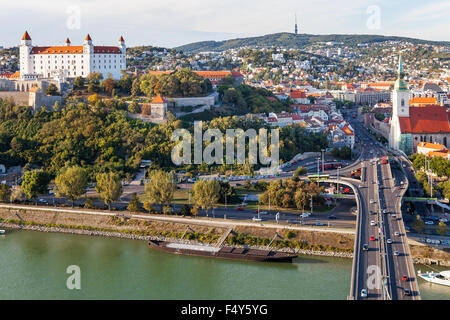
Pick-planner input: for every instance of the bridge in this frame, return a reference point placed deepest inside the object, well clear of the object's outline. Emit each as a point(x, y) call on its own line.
point(382, 264)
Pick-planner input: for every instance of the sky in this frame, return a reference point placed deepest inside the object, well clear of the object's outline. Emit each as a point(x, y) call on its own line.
point(171, 23)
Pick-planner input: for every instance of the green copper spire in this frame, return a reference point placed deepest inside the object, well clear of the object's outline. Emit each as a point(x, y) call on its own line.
point(400, 84)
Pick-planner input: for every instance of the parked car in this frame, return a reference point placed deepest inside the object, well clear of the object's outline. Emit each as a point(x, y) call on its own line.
point(365, 247)
point(407, 292)
point(396, 253)
point(389, 241)
point(372, 238)
point(405, 278)
point(364, 293)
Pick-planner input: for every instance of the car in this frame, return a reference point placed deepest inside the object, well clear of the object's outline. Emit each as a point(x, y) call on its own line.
point(373, 212)
point(364, 293)
point(396, 253)
point(332, 217)
point(393, 216)
point(240, 209)
point(397, 234)
point(389, 241)
point(429, 222)
point(373, 223)
point(43, 201)
point(263, 212)
point(407, 292)
point(256, 219)
point(319, 224)
point(365, 247)
point(405, 278)
point(398, 196)
point(372, 238)
point(372, 201)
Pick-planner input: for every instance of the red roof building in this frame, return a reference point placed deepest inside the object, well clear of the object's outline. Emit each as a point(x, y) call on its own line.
point(430, 119)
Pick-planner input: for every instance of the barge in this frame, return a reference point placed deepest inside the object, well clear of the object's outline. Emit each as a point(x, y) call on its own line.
point(234, 253)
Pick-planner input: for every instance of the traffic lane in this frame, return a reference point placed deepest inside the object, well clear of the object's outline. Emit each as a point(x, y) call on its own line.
point(399, 264)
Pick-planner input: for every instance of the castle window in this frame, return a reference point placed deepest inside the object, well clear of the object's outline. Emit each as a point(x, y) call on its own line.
point(403, 103)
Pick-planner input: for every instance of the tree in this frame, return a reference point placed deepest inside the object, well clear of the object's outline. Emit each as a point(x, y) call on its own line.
point(52, 90)
point(442, 229)
point(109, 187)
point(135, 88)
point(194, 211)
point(185, 210)
point(78, 82)
point(35, 182)
point(93, 98)
point(161, 187)
point(206, 194)
point(5, 193)
point(300, 171)
point(419, 225)
point(17, 195)
point(134, 107)
point(135, 204)
point(109, 85)
point(72, 183)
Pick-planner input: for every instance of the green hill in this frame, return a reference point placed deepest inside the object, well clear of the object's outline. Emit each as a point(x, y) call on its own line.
point(291, 40)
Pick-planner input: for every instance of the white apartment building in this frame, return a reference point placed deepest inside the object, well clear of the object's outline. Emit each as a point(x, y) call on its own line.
point(70, 61)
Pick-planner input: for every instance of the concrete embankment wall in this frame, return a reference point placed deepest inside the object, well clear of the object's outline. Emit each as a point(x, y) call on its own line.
point(105, 224)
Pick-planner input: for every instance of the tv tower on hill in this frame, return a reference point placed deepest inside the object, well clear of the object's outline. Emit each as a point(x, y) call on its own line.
point(296, 27)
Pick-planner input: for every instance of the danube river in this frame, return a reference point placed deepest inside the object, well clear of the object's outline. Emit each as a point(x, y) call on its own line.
point(33, 265)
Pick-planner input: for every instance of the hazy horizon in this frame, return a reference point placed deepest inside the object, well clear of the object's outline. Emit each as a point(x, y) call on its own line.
point(173, 23)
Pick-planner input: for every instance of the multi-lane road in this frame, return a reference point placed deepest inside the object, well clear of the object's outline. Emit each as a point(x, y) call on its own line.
point(382, 266)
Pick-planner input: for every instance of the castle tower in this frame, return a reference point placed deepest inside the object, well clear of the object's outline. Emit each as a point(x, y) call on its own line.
point(25, 50)
point(400, 96)
point(122, 45)
point(67, 42)
point(88, 53)
point(159, 107)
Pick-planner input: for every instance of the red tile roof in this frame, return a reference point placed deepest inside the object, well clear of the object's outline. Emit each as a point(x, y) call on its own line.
point(423, 100)
point(298, 95)
point(429, 119)
point(159, 99)
point(26, 36)
point(73, 49)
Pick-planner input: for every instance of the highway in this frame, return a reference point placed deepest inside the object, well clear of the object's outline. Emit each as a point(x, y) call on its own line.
point(382, 257)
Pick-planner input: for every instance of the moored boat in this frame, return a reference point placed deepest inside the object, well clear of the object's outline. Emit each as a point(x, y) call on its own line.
point(442, 278)
point(234, 253)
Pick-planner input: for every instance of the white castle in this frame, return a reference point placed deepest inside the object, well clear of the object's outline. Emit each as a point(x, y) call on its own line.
point(60, 62)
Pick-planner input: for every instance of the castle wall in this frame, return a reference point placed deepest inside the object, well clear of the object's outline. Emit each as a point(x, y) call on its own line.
point(20, 98)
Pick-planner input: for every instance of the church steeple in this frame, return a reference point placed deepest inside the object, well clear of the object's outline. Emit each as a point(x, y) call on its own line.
point(296, 26)
point(400, 96)
point(400, 84)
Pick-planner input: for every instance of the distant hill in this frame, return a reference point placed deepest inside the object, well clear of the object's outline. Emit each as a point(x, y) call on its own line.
point(291, 40)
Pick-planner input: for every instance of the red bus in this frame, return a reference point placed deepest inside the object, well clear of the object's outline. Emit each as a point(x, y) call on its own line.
point(332, 165)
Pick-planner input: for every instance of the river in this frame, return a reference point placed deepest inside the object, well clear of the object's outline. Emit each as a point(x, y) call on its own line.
point(33, 266)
